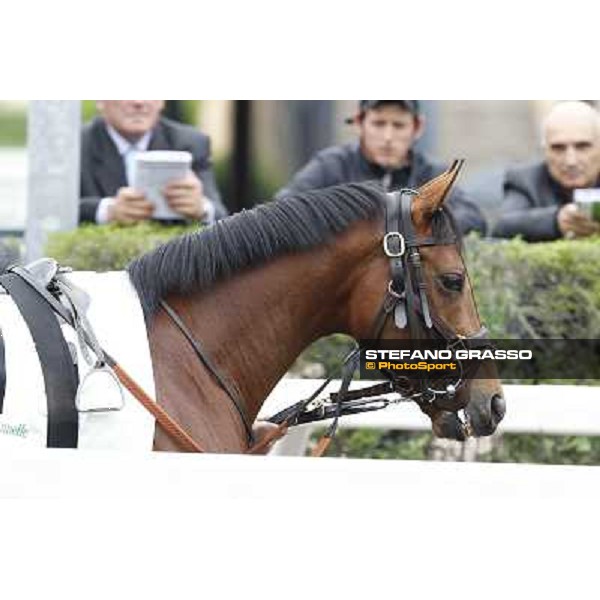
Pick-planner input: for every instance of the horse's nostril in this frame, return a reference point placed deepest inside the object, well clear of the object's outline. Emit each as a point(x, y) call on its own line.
point(498, 406)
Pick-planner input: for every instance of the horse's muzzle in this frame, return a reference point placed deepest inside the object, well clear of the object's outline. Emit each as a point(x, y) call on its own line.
point(484, 414)
point(448, 425)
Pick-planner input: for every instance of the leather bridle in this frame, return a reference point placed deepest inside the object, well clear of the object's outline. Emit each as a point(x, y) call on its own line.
point(405, 301)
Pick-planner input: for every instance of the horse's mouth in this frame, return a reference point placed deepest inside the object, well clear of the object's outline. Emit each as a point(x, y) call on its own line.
point(448, 425)
point(474, 420)
point(485, 417)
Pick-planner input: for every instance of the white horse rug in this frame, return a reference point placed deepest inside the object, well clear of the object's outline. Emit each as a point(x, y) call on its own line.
point(118, 322)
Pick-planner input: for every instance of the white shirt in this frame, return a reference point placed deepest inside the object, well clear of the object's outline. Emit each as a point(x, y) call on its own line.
point(128, 150)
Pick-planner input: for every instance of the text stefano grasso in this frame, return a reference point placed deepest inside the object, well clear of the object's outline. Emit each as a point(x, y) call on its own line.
point(449, 354)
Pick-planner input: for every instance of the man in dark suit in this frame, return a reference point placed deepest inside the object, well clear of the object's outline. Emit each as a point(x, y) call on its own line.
point(108, 146)
point(384, 151)
point(538, 199)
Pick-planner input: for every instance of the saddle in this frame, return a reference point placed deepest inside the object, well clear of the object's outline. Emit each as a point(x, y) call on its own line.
point(44, 297)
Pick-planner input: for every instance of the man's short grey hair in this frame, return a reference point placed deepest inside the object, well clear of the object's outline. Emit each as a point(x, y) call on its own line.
point(581, 105)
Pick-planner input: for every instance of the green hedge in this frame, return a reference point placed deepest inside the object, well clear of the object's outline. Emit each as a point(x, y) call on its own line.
point(547, 290)
point(513, 448)
point(109, 247)
point(522, 290)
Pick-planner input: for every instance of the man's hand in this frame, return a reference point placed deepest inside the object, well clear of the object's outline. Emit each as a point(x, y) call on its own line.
point(130, 206)
point(185, 196)
point(573, 223)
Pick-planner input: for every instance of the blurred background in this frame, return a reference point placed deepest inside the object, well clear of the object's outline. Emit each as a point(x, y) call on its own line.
point(257, 145)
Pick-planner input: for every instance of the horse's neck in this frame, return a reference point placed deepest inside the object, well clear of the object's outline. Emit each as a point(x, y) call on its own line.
point(256, 324)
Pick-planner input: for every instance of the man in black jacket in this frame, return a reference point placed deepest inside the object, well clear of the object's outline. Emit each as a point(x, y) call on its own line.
point(538, 199)
point(108, 145)
point(388, 130)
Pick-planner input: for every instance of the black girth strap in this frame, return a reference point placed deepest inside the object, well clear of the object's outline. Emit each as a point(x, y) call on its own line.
point(60, 374)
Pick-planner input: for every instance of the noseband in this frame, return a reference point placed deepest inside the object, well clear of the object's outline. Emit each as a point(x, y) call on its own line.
point(407, 303)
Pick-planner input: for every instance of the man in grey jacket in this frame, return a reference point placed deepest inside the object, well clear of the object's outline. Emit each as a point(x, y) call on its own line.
point(538, 199)
point(384, 151)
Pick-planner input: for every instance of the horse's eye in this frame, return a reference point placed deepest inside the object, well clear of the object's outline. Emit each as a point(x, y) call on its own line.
point(453, 282)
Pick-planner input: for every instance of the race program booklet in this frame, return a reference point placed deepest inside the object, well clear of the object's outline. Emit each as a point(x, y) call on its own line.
point(588, 201)
point(153, 170)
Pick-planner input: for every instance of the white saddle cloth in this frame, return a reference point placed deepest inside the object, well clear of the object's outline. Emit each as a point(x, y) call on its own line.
point(118, 322)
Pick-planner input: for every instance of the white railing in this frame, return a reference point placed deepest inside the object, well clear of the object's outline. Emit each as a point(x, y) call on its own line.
point(312, 528)
point(533, 409)
point(292, 527)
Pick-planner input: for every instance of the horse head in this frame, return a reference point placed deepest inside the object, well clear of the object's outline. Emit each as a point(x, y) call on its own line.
point(452, 299)
point(429, 298)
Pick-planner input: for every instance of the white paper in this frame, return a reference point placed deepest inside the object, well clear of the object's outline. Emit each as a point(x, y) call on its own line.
point(153, 170)
point(588, 201)
point(586, 195)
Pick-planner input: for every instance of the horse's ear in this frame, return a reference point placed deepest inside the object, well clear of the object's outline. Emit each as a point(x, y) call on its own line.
point(432, 195)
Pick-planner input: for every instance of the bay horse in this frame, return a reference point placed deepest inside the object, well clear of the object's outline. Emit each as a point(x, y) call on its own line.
point(258, 287)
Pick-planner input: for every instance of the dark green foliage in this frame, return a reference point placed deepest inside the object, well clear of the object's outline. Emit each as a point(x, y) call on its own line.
point(263, 182)
point(13, 126)
point(559, 450)
point(371, 443)
point(328, 352)
point(108, 247)
point(189, 111)
point(547, 290)
point(511, 448)
point(88, 110)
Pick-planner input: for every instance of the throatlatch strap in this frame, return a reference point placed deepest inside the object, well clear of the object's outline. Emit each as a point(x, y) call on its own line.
point(60, 374)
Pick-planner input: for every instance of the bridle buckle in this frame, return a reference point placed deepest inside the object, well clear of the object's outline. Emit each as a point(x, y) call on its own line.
point(386, 244)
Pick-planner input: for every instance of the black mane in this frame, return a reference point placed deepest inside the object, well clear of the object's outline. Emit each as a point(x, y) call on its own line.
point(195, 261)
